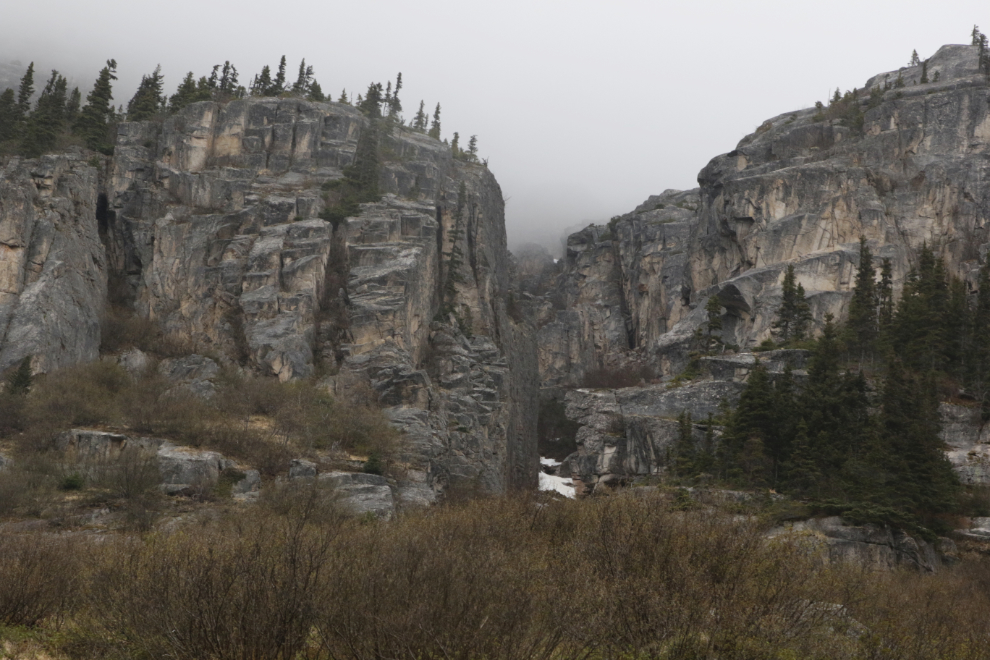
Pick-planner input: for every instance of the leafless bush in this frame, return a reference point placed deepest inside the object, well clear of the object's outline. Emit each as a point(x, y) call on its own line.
point(39, 578)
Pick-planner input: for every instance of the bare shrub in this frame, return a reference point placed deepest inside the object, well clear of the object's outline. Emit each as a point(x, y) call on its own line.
point(243, 589)
point(39, 578)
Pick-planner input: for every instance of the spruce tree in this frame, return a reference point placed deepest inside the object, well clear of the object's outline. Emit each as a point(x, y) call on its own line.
point(978, 372)
point(96, 117)
point(743, 459)
point(371, 104)
point(924, 72)
point(395, 105)
point(343, 97)
point(861, 327)
point(262, 84)
point(419, 121)
point(46, 123)
point(455, 147)
point(188, 92)
point(794, 313)
point(304, 80)
point(885, 298)
point(915, 60)
point(72, 106)
point(315, 93)
point(24, 93)
point(803, 475)
point(148, 100)
point(435, 126)
point(8, 115)
point(278, 85)
point(473, 148)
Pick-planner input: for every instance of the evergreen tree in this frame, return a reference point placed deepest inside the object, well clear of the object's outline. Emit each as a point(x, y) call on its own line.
point(915, 60)
point(473, 148)
point(46, 123)
point(278, 84)
point(96, 117)
point(148, 100)
point(304, 80)
point(804, 477)
point(24, 93)
point(924, 72)
point(315, 93)
point(861, 328)
point(978, 376)
point(794, 313)
point(455, 147)
point(919, 330)
point(395, 105)
point(262, 84)
point(742, 452)
point(435, 126)
point(72, 106)
point(343, 97)
point(420, 120)
point(885, 298)
point(371, 104)
point(8, 115)
point(909, 423)
point(19, 382)
point(189, 91)
point(227, 86)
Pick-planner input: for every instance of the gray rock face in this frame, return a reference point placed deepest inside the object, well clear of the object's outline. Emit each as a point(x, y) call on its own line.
point(870, 545)
point(362, 494)
point(799, 191)
point(53, 272)
point(968, 443)
point(215, 228)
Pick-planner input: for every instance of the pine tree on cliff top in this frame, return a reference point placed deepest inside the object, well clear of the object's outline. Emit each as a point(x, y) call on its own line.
point(148, 100)
point(98, 114)
point(46, 123)
point(24, 93)
point(8, 115)
point(420, 120)
point(278, 84)
point(435, 126)
point(915, 60)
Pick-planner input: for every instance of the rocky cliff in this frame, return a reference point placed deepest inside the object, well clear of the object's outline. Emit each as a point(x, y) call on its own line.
point(799, 191)
point(903, 166)
point(211, 227)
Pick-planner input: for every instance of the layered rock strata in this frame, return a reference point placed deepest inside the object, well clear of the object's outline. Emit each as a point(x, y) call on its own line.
point(216, 234)
point(53, 270)
point(799, 191)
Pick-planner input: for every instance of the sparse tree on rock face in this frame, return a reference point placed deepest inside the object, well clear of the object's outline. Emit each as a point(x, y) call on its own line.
point(304, 80)
point(315, 93)
point(435, 126)
point(343, 97)
point(915, 60)
point(420, 120)
point(924, 72)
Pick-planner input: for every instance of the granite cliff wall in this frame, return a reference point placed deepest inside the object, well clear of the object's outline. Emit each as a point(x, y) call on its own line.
point(210, 226)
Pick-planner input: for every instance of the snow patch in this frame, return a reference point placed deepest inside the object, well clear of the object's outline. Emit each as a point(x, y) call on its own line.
point(559, 484)
point(549, 462)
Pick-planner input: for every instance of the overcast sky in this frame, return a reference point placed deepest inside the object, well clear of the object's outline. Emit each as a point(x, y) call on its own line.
point(583, 108)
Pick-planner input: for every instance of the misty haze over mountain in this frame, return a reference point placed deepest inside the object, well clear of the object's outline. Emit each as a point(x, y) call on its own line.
point(583, 110)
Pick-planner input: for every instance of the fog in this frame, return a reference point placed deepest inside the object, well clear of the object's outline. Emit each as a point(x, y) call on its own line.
point(582, 108)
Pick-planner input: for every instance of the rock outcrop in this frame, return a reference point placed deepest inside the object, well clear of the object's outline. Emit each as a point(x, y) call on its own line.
point(53, 271)
point(215, 233)
point(799, 191)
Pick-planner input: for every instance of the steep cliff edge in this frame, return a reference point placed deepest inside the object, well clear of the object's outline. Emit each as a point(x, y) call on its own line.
point(799, 191)
point(211, 226)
